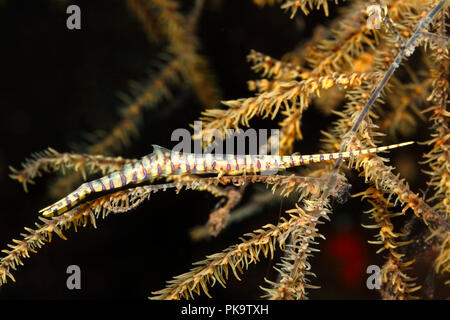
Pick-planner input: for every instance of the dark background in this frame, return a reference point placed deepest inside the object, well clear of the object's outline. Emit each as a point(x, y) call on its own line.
point(58, 86)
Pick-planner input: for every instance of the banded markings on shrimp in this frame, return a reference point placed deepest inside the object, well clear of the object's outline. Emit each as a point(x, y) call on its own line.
point(163, 163)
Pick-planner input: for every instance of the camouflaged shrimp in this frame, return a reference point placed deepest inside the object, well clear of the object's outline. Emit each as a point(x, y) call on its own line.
point(163, 162)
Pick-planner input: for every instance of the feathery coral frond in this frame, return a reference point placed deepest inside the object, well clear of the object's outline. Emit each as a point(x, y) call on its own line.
point(379, 68)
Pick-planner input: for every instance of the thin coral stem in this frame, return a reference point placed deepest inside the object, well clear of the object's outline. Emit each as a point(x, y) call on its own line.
point(407, 50)
point(215, 268)
point(52, 160)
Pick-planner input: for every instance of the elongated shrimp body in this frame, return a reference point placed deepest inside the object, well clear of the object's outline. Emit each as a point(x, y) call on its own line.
point(162, 163)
